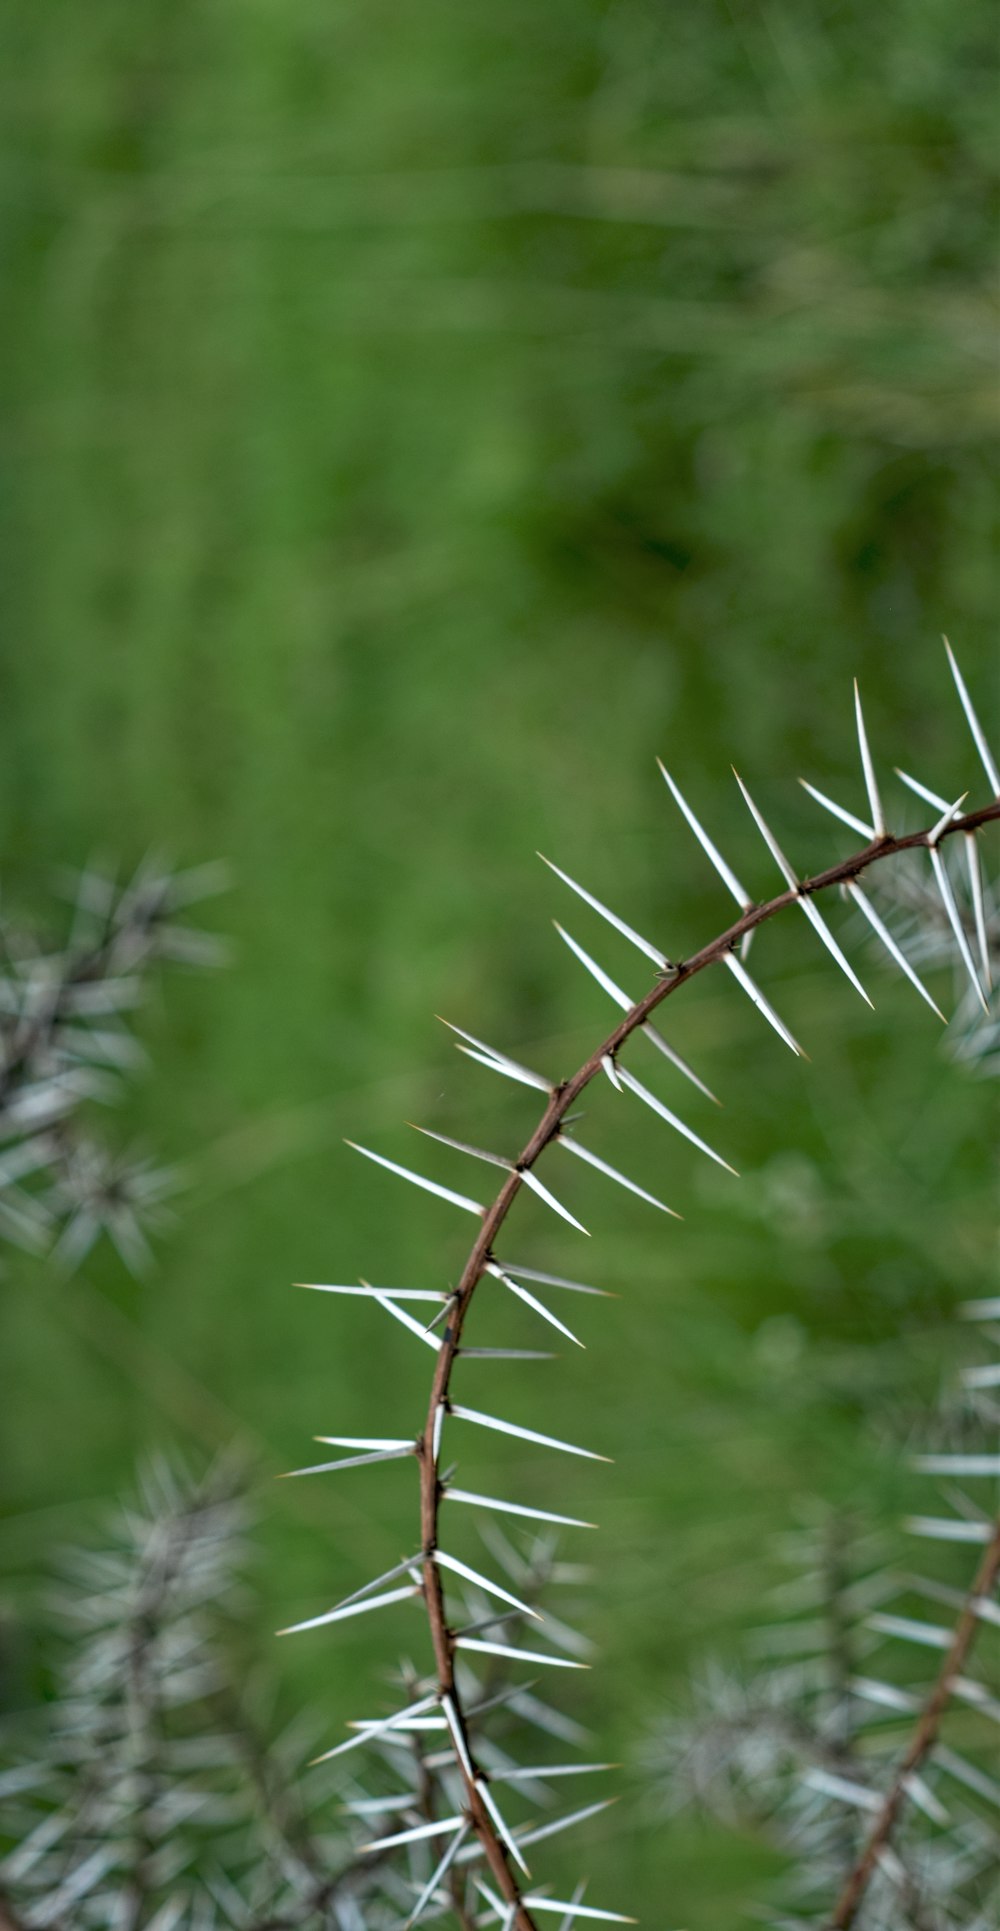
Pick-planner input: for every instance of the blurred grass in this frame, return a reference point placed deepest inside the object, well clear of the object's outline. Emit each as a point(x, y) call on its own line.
point(414, 422)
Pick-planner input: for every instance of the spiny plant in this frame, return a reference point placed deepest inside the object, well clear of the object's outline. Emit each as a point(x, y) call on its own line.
point(156, 1792)
point(484, 1860)
point(66, 1040)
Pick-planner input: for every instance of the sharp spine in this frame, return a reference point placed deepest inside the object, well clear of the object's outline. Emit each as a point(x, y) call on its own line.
point(643, 1093)
point(651, 951)
point(419, 1180)
point(525, 1434)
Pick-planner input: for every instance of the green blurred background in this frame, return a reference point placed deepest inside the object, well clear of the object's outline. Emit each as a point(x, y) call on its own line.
point(414, 420)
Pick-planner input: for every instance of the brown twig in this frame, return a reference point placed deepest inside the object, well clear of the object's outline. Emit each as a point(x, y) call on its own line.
point(561, 1099)
point(923, 1739)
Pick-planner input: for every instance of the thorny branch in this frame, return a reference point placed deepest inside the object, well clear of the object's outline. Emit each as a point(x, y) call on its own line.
point(923, 1739)
point(561, 1100)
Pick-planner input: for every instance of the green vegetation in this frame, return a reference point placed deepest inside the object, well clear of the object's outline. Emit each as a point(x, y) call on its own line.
point(414, 421)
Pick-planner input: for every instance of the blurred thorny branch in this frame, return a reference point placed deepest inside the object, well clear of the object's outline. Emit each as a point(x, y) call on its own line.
point(66, 1040)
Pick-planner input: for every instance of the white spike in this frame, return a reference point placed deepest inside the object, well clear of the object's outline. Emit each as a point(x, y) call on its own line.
point(462, 1146)
point(507, 1354)
point(627, 932)
point(958, 1464)
point(542, 1771)
point(352, 1461)
point(531, 1180)
point(525, 1434)
point(442, 1870)
point(368, 1292)
point(985, 1377)
point(978, 906)
point(513, 1508)
point(530, 1300)
point(753, 992)
point(497, 1815)
point(727, 875)
point(406, 1320)
point(352, 1609)
point(580, 1910)
point(947, 1528)
point(988, 1310)
point(791, 877)
point(557, 1280)
point(967, 1773)
point(554, 1723)
point(583, 1153)
point(570, 1919)
point(864, 905)
point(871, 784)
point(457, 1736)
point(988, 762)
point(482, 1582)
point(519, 1655)
point(954, 920)
point(931, 1635)
point(643, 1093)
point(609, 1068)
point(387, 1442)
point(596, 972)
point(439, 1415)
point(572, 1817)
point(846, 817)
point(439, 1827)
point(820, 926)
point(497, 1066)
point(947, 817)
point(500, 1062)
point(650, 1032)
point(409, 1566)
point(418, 1180)
point(923, 791)
point(843, 1788)
point(379, 1727)
point(622, 1000)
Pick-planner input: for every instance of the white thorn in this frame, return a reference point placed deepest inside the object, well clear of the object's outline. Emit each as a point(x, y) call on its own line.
point(530, 1301)
point(351, 1609)
point(418, 1180)
point(531, 1180)
point(643, 1093)
point(727, 875)
point(583, 1153)
point(492, 1588)
point(871, 785)
point(526, 1434)
point(954, 920)
point(847, 817)
point(627, 932)
point(989, 764)
point(978, 906)
point(820, 926)
point(791, 878)
point(518, 1508)
point(763, 1005)
point(864, 905)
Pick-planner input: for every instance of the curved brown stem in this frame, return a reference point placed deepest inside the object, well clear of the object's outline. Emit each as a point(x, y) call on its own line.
point(561, 1099)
